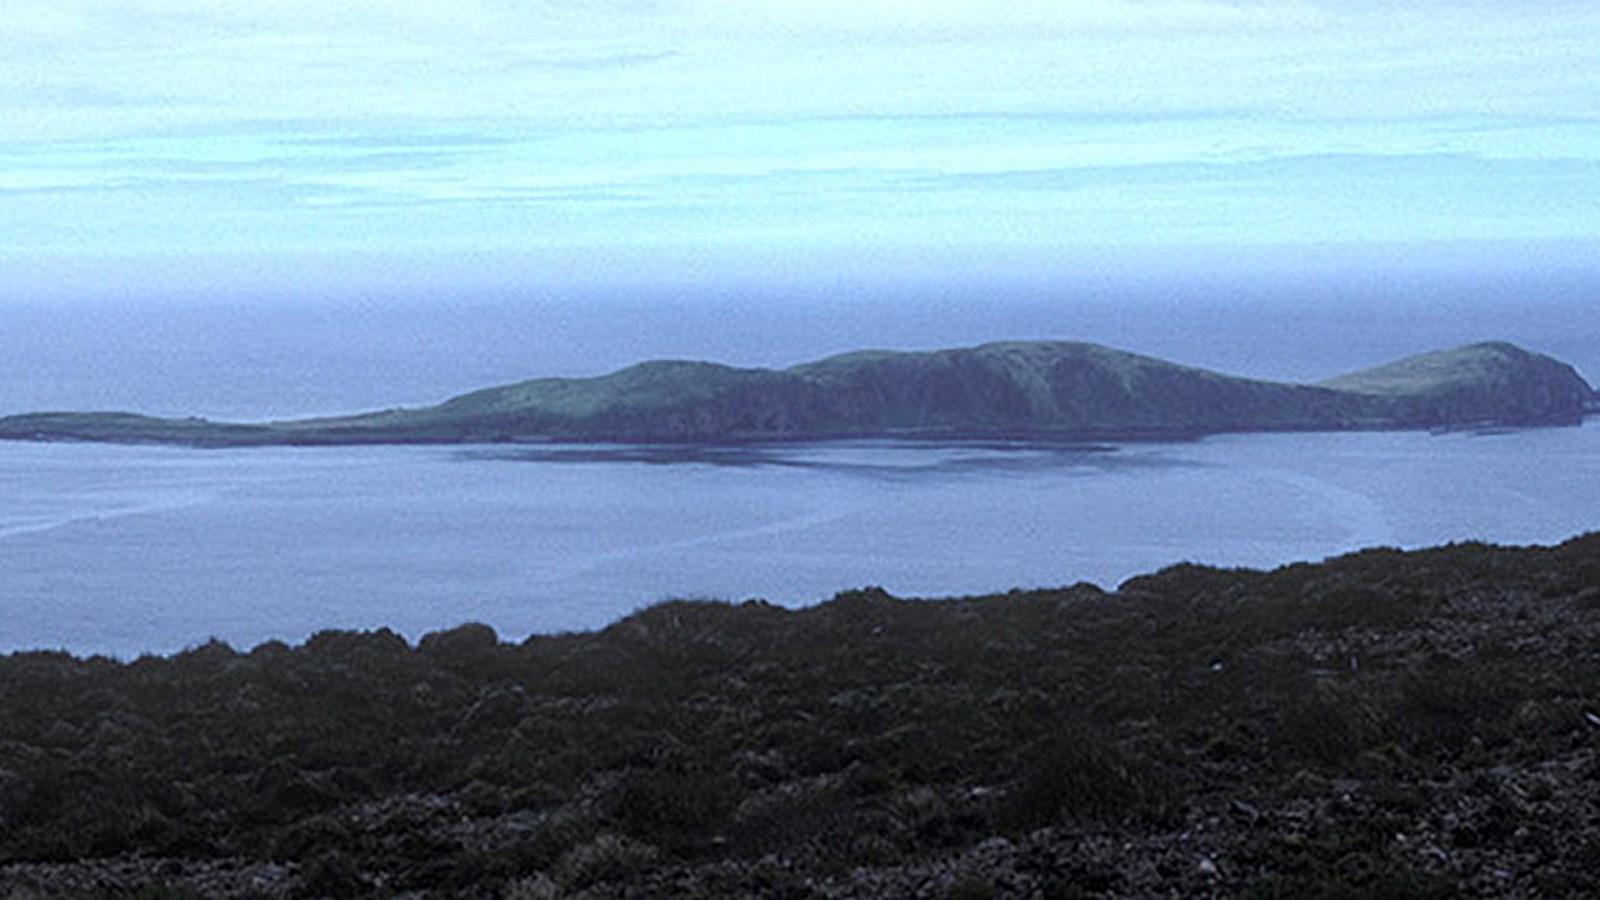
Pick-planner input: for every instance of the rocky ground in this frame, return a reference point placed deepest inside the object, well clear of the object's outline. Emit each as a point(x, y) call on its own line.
point(1421, 724)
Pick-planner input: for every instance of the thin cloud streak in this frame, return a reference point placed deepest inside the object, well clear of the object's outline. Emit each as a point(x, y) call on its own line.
point(213, 126)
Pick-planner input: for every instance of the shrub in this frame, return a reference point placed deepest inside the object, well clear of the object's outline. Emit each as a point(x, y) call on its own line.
point(1084, 777)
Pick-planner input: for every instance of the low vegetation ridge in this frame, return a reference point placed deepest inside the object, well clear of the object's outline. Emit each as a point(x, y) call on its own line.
point(1384, 724)
point(1030, 390)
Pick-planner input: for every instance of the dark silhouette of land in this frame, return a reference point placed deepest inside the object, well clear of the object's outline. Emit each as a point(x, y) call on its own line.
point(1385, 724)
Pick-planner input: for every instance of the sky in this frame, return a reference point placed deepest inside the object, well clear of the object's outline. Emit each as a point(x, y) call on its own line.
point(290, 145)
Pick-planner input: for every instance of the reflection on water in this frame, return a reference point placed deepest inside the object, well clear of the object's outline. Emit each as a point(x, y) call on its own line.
point(864, 458)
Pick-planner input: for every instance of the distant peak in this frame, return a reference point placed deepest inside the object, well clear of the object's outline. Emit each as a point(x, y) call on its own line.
point(1458, 362)
point(1491, 379)
point(1003, 346)
point(1498, 348)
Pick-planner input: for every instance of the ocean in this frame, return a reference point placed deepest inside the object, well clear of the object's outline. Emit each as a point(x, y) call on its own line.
point(125, 550)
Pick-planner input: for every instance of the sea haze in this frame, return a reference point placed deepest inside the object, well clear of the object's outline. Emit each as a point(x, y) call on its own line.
point(122, 550)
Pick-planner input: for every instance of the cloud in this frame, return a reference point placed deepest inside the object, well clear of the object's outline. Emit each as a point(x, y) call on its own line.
point(308, 123)
point(170, 64)
point(99, 24)
point(901, 20)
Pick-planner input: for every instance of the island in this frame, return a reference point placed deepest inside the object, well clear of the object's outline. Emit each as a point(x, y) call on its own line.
point(1033, 390)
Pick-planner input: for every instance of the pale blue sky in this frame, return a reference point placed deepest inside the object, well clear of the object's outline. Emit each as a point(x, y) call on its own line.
point(183, 144)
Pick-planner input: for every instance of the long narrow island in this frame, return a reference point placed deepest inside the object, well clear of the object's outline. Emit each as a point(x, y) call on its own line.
point(1017, 390)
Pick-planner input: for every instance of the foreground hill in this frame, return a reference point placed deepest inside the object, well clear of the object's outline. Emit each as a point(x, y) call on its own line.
point(1029, 390)
point(1386, 724)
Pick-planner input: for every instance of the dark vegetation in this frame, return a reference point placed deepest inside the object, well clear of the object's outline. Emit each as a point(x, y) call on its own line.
point(1386, 724)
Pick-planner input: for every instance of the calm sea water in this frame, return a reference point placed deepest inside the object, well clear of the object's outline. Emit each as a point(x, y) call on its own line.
point(122, 550)
point(128, 549)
